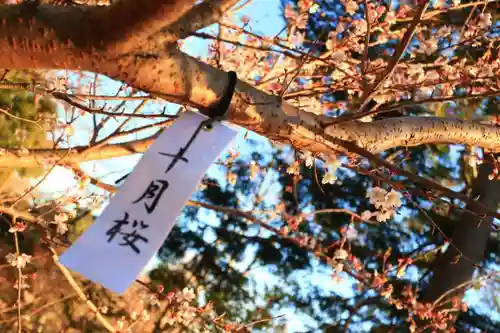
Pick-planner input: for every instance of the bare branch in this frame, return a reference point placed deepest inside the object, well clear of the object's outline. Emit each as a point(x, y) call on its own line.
point(101, 111)
point(111, 98)
point(364, 61)
point(67, 274)
point(94, 181)
point(37, 157)
point(436, 12)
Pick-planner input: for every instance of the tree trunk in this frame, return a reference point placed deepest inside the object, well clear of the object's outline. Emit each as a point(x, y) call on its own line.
point(468, 245)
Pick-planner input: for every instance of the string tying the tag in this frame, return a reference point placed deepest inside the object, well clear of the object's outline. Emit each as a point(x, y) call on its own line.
point(219, 112)
point(215, 113)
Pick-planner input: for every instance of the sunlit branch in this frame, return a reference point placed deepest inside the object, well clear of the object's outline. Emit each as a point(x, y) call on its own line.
point(40, 157)
point(433, 13)
point(137, 21)
point(200, 16)
point(79, 291)
point(353, 146)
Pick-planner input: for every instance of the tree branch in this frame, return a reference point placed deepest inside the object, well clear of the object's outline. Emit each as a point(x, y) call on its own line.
point(176, 76)
point(398, 53)
point(410, 131)
point(200, 16)
point(66, 98)
point(75, 155)
point(25, 216)
point(128, 23)
point(79, 291)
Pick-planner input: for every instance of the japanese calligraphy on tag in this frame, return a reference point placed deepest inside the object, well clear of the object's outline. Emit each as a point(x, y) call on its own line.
point(115, 249)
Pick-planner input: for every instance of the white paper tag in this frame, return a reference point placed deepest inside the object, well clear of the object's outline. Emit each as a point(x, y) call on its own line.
point(115, 249)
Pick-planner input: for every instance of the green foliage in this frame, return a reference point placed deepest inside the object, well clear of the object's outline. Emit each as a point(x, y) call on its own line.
point(24, 122)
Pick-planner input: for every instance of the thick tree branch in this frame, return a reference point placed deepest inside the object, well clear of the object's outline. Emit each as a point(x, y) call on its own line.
point(128, 23)
point(200, 16)
point(176, 76)
point(413, 131)
point(51, 37)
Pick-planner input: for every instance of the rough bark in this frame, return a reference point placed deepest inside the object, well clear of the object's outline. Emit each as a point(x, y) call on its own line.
point(53, 37)
point(470, 237)
point(200, 16)
point(127, 24)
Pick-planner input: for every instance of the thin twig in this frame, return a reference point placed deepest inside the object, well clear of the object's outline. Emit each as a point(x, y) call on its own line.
point(125, 133)
point(437, 12)
point(338, 210)
point(364, 61)
point(400, 49)
point(31, 189)
point(7, 113)
point(94, 181)
point(104, 322)
point(111, 98)
point(404, 104)
point(82, 107)
point(240, 7)
point(104, 121)
point(20, 285)
point(441, 232)
point(253, 323)
point(463, 285)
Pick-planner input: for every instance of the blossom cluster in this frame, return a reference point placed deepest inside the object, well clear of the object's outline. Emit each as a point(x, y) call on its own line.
point(270, 63)
point(385, 203)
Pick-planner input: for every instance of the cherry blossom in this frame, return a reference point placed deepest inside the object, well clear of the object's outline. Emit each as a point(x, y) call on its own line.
point(350, 6)
point(376, 196)
point(385, 202)
point(341, 254)
point(366, 215)
point(309, 159)
point(60, 220)
point(351, 233)
point(393, 199)
point(18, 227)
point(294, 168)
point(18, 261)
point(188, 294)
point(254, 169)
